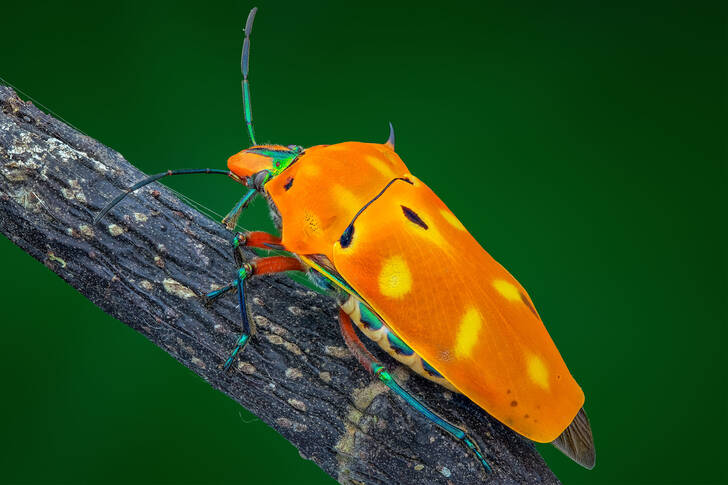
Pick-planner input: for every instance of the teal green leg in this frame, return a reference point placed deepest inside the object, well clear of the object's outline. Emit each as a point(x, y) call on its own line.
point(235, 243)
point(209, 297)
point(243, 274)
point(231, 219)
point(459, 434)
point(368, 361)
point(273, 264)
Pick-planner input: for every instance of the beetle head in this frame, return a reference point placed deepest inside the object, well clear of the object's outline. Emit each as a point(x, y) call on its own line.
point(260, 163)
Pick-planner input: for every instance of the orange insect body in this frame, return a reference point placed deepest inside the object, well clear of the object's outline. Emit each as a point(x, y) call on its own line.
point(411, 276)
point(412, 262)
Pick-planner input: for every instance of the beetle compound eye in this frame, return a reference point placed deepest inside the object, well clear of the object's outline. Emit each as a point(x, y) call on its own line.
point(260, 178)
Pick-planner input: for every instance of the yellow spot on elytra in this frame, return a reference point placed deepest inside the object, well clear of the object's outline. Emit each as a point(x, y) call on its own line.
point(345, 198)
point(395, 279)
point(537, 371)
point(467, 337)
point(380, 164)
point(454, 221)
point(507, 290)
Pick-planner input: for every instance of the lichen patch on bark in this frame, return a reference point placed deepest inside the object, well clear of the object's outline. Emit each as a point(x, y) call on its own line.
point(115, 230)
point(174, 287)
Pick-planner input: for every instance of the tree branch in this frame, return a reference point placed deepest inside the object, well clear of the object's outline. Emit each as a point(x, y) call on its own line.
point(149, 261)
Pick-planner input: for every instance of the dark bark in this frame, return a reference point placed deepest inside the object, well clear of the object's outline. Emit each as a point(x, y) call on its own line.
point(149, 260)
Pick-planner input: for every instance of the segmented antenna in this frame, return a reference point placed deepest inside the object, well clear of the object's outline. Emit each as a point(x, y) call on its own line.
point(244, 61)
point(151, 179)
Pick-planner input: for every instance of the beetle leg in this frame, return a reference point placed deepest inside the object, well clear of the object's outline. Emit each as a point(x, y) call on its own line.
point(256, 239)
point(243, 274)
point(231, 219)
point(369, 362)
point(259, 266)
point(271, 264)
point(216, 293)
point(275, 264)
point(253, 239)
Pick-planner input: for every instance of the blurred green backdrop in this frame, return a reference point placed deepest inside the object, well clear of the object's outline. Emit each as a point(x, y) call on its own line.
point(593, 136)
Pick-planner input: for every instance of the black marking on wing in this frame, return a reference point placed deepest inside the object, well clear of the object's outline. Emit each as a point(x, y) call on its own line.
point(414, 217)
point(346, 237)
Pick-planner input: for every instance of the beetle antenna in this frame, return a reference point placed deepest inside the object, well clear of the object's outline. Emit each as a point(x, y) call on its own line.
point(244, 63)
point(154, 178)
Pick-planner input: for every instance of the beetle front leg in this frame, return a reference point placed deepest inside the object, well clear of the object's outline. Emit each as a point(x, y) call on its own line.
point(252, 239)
point(243, 274)
point(231, 219)
point(259, 266)
point(369, 362)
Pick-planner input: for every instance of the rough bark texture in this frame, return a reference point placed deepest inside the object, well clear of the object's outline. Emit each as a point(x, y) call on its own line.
point(150, 259)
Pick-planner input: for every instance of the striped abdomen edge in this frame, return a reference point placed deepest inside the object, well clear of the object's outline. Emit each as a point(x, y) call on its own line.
point(374, 328)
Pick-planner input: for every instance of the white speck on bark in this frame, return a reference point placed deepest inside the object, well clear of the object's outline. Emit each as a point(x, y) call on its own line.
point(176, 288)
point(147, 285)
point(246, 367)
point(261, 321)
point(295, 310)
point(293, 373)
point(275, 339)
point(86, 231)
point(300, 427)
point(338, 352)
point(295, 403)
point(284, 422)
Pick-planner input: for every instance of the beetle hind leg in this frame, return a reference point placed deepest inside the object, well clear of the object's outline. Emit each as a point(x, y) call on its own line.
point(367, 360)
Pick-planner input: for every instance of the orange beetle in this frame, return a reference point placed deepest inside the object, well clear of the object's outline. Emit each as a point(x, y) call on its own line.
point(410, 276)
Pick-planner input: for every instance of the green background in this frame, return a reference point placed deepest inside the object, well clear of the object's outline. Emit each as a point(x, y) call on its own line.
point(582, 144)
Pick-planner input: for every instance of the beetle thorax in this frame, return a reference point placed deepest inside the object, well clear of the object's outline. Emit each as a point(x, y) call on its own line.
point(316, 197)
